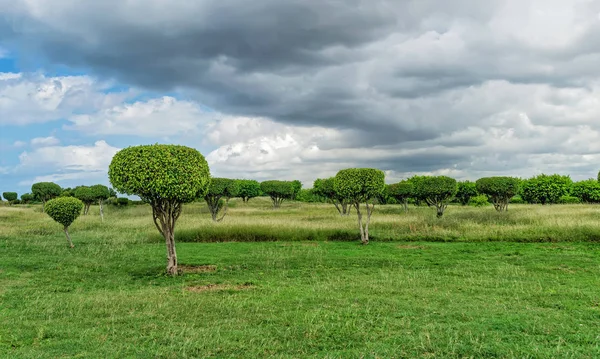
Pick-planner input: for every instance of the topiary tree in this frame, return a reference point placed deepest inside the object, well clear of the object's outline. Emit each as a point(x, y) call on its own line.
point(401, 192)
point(45, 191)
point(100, 194)
point(466, 190)
point(85, 195)
point(27, 198)
point(296, 188)
point(220, 188)
point(436, 191)
point(11, 197)
point(546, 189)
point(248, 189)
point(324, 187)
point(64, 210)
point(499, 190)
point(587, 191)
point(279, 191)
point(360, 185)
point(166, 177)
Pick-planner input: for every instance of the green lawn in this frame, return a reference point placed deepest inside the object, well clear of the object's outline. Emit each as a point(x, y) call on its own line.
point(108, 298)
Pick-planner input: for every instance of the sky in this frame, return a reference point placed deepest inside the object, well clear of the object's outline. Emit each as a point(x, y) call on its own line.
point(300, 89)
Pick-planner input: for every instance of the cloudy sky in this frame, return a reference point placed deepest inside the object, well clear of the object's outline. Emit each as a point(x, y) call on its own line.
point(298, 89)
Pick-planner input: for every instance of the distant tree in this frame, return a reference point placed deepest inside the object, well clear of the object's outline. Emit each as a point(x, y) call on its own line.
point(324, 187)
point(100, 193)
point(45, 191)
point(466, 190)
point(499, 190)
point(219, 189)
point(357, 186)
point(587, 191)
point(68, 192)
point(11, 197)
point(64, 210)
point(418, 196)
point(248, 189)
point(27, 198)
point(85, 195)
point(279, 191)
point(112, 193)
point(166, 177)
point(436, 191)
point(296, 188)
point(546, 189)
point(402, 192)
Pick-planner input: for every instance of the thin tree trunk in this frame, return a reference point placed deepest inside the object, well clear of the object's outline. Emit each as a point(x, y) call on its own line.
point(101, 210)
point(360, 225)
point(171, 252)
point(405, 205)
point(165, 214)
point(68, 237)
point(43, 206)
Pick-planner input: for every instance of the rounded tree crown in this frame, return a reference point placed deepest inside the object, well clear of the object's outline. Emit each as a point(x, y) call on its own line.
point(64, 210)
point(249, 188)
point(100, 192)
point(359, 184)
point(324, 187)
point(10, 196)
point(160, 172)
point(498, 186)
point(84, 194)
point(435, 186)
point(223, 187)
point(46, 190)
point(278, 188)
point(401, 190)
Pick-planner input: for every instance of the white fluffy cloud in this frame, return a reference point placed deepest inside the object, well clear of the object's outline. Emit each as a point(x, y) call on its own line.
point(45, 141)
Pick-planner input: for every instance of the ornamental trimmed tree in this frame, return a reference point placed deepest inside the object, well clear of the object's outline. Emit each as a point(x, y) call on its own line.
point(11, 197)
point(85, 195)
point(324, 187)
point(546, 189)
point(27, 198)
point(499, 190)
point(219, 189)
point(65, 211)
point(401, 192)
point(248, 189)
point(166, 177)
point(279, 191)
point(357, 186)
point(436, 191)
point(466, 190)
point(100, 193)
point(45, 191)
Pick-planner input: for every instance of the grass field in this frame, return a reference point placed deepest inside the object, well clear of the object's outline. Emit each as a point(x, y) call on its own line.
point(297, 284)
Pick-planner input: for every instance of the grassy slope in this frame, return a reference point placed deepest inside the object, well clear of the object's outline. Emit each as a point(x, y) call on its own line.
point(107, 297)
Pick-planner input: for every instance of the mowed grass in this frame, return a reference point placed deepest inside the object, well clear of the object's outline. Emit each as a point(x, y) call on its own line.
point(301, 287)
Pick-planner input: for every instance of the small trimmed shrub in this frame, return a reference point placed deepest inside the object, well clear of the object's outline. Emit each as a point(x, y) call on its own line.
point(11, 197)
point(65, 211)
point(122, 201)
point(479, 201)
point(569, 200)
point(517, 200)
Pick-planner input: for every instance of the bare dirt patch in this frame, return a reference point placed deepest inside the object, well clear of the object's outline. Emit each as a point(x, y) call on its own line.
point(218, 287)
point(197, 269)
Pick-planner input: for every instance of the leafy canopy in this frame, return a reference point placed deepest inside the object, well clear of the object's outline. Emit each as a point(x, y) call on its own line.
point(84, 194)
point(466, 190)
point(546, 188)
point(223, 187)
point(279, 189)
point(248, 188)
point(401, 191)
point(10, 196)
point(160, 172)
point(45, 190)
point(434, 189)
point(587, 191)
point(64, 210)
point(100, 192)
point(359, 184)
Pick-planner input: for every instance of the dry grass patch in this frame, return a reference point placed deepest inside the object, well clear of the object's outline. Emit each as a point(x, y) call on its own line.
point(197, 269)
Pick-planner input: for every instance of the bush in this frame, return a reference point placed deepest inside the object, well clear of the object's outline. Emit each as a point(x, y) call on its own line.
point(517, 200)
point(587, 191)
point(569, 200)
point(26, 198)
point(64, 210)
point(466, 190)
point(122, 201)
point(546, 188)
point(479, 201)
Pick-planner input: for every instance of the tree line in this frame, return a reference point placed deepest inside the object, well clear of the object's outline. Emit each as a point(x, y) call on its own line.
point(168, 176)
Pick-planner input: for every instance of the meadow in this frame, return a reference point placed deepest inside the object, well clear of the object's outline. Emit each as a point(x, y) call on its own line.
point(296, 283)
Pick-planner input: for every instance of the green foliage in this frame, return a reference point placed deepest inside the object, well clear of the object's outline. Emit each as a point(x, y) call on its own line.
point(10, 196)
point(279, 191)
point(479, 201)
point(310, 196)
point(359, 185)
point(44, 191)
point(517, 199)
point(296, 188)
point(499, 190)
point(435, 191)
point(84, 194)
point(401, 192)
point(100, 192)
point(569, 200)
point(122, 201)
point(27, 198)
point(546, 189)
point(220, 188)
point(466, 190)
point(587, 191)
point(64, 210)
point(67, 192)
point(112, 193)
point(160, 173)
point(248, 189)
point(324, 187)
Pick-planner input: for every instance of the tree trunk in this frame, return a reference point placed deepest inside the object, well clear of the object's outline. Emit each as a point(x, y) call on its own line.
point(171, 252)
point(43, 206)
point(101, 210)
point(440, 210)
point(165, 214)
point(68, 237)
point(405, 205)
